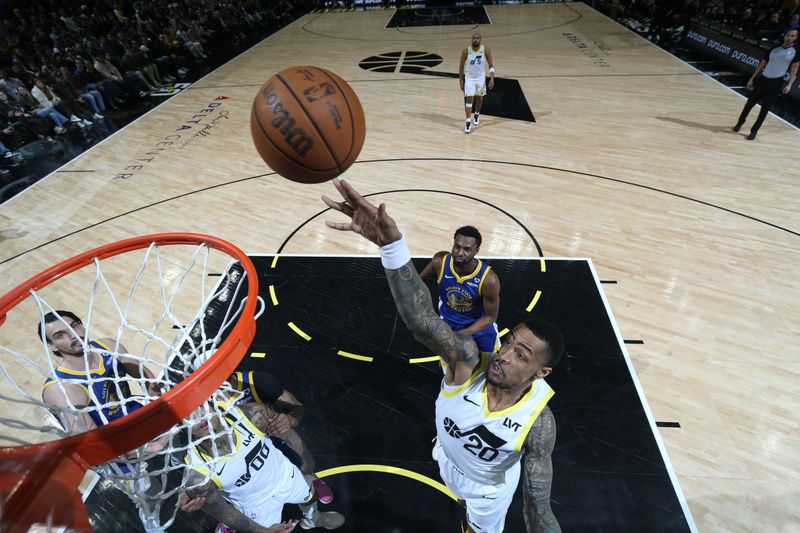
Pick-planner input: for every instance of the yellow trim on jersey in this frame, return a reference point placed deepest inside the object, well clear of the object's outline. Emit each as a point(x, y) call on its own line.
point(100, 370)
point(511, 409)
point(239, 381)
point(440, 275)
point(468, 276)
point(480, 285)
point(527, 427)
point(81, 385)
point(252, 387)
point(210, 475)
point(475, 374)
point(250, 425)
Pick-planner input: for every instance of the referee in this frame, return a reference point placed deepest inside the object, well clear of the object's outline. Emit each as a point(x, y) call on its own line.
point(767, 86)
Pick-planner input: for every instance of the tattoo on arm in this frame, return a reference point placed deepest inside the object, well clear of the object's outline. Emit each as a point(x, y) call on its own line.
point(538, 468)
point(258, 413)
point(224, 511)
point(414, 303)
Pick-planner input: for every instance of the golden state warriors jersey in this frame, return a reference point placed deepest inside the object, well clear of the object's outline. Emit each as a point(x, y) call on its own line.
point(480, 443)
point(103, 386)
point(474, 67)
point(252, 473)
point(460, 297)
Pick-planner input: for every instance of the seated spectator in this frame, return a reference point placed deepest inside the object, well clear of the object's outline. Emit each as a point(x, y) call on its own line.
point(50, 112)
point(47, 98)
point(84, 94)
point(10, 85)
point(134, 79)
point(136, 64)
point(85, 73)
point(18, 115)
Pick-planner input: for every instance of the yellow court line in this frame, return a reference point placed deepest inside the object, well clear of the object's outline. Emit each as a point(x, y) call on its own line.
point(258, 355)
point(505, 330)
point(272, 295)
point(424, 359)
point(533, 302)
point(274, 262)
point(299, 331)
point(355, 356)
point(542, 265)
point(388, 470)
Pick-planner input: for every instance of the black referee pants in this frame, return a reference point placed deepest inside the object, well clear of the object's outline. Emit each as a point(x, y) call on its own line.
point(765, 91)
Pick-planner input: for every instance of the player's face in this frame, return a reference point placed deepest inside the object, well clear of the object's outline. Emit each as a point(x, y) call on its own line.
point(476, 40)
point(464, 250)
point(519, 361)
point(790, 38)
point(61, 339)
point(204, 419)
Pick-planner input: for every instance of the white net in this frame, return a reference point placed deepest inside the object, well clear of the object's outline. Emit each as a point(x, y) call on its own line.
point(111, 338)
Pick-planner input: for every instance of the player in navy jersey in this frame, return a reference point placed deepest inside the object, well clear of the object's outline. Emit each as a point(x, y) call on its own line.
point(469, 291)
point(93, 377)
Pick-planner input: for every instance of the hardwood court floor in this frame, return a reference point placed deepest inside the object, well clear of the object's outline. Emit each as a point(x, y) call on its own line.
point(631, 163)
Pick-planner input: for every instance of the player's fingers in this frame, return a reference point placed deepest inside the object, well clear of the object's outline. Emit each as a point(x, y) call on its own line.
point(341, 226)
point(330, 202)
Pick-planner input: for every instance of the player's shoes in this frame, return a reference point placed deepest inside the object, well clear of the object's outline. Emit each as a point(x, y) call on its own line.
point(324, 492)
point(327, 520)
point(222, 528)
point(467, 126)
point(476, 119)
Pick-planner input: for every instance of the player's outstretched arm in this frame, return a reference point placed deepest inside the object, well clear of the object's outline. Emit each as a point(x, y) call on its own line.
point(217, 506)
point(410, 294)
point(538, 477)
point(435, 265)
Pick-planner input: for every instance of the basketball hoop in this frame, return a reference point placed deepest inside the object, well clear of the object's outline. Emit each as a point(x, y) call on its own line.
point(39, 481)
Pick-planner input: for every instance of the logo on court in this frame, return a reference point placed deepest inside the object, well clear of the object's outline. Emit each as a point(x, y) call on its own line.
point(407, 62)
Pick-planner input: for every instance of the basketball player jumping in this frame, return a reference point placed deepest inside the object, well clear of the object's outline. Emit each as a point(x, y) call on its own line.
point(473, 81)
point(491, 413)
point(469, 291)
point(246, 488)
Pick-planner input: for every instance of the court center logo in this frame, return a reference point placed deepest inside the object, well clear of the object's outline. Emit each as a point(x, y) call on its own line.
point(408, 62)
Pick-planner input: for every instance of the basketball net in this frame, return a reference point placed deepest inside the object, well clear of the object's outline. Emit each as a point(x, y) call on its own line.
point(170, 319)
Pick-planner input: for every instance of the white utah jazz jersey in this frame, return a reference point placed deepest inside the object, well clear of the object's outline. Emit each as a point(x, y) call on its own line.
point(252, 473)
point(480, 443)
point(474, 67)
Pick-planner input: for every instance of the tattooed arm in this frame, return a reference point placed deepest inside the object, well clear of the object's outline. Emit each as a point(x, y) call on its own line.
point(410, 294)
point(538, 477)
point(215, 505)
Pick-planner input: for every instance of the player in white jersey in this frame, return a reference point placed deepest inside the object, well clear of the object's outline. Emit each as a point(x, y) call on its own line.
point(472, 76)
point(244, 481)
point(491, 415)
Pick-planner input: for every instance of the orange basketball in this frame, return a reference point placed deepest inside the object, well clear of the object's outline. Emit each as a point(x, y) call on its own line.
point(307, 124)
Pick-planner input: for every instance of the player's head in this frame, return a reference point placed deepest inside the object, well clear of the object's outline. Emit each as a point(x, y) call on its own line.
point(529, 352)
point(790, 37)
point(476, 40)
point(58, 333)
point(205, 420)
point(466, 243)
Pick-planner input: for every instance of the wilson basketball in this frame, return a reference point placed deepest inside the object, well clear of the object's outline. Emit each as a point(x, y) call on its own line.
point(307, 124)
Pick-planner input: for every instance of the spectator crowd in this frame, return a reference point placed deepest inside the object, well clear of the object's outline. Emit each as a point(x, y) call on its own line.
point(67, 67)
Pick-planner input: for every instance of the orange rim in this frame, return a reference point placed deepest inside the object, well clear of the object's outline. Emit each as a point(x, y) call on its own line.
point(33, 478)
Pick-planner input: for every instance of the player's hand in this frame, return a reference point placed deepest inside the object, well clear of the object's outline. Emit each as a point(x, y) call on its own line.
point(154, 389)
point(369, 221)
point(491, 83)
point(283, 527)
point(750, 85)
point(461, 83)
point(787, 89)
point(279, 424)
point(190, 505)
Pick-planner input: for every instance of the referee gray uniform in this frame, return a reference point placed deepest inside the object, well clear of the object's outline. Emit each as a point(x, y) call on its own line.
point(767, 87)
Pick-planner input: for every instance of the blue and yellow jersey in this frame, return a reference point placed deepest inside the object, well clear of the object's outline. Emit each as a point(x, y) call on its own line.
point(460, 297)
point(103, 386)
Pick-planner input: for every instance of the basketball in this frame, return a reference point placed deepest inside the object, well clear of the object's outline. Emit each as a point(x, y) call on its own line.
point(307, 124)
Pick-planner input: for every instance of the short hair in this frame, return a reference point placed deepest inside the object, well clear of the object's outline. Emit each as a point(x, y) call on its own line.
point(55, 317)
point(551, 336)
point(469, 231)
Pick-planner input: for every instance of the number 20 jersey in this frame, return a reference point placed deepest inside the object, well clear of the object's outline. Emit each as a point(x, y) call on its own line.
point(480, 443)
